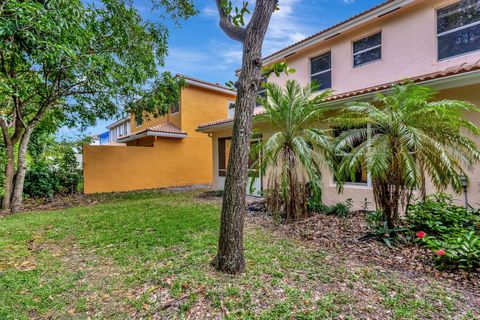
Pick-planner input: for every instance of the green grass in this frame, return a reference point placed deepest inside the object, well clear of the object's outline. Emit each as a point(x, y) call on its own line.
point(131, 256)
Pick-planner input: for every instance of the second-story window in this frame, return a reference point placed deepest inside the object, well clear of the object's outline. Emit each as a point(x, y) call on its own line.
point(458, 28)
point(175, 108)
point(367, 50)
point(321, 70)
point(262, 91)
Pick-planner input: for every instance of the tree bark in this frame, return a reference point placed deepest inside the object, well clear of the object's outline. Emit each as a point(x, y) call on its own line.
point(9, 166)
point(22, 169)
point(230, 258)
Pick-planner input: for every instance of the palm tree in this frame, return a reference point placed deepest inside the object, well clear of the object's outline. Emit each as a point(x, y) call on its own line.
point(293, 155)
point(403, 138)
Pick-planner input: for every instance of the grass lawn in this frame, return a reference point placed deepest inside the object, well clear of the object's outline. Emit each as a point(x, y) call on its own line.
point(147, 254)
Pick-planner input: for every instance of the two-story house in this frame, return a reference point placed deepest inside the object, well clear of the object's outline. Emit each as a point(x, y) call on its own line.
point(163, 151)
point(435, 43)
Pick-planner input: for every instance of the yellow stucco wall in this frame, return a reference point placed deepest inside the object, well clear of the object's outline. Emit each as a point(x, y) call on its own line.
point(171, 161)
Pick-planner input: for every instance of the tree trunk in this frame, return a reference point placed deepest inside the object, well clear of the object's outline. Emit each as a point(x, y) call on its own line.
point(9, 175)
point(22, 169)
point(230, 258)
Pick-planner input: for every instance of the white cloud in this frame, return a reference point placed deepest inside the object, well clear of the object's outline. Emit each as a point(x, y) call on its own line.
point(348, 1)
point(210, 11)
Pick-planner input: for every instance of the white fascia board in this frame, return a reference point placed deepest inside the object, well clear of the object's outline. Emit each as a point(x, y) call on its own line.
point(118, 122)
point(207, 86)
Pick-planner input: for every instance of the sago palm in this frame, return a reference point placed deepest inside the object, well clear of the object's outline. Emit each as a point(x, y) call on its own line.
point(293, 155)
point(404, 138)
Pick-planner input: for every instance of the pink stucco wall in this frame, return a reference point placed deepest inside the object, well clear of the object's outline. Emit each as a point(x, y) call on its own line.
point(409, 48)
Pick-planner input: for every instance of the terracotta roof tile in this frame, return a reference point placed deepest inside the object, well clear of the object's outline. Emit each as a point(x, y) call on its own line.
point(165, 127)
point(459, 69)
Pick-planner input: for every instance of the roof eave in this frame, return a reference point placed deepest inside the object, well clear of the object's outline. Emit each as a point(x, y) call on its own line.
point(448, 82)
point(341, 28)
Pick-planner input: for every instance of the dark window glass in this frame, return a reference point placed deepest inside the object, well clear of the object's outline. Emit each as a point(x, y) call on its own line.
point(321, 63)
point(458, 29)
point(361, 174)
point(367, 56)
point(175, 108)
point(367, 49)
point(458, 15)
point(223, 153)
point(323, 79)
point(367, 43)
point(321, 70)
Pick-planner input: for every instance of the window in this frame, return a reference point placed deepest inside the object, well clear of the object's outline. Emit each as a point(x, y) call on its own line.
point(223, 152)
point(231, 109)
point(361, 175)
point(262, 91)
point(175, 108)
point(458, 28)
point(321, 70)
point(368, 49)
point(138, 121)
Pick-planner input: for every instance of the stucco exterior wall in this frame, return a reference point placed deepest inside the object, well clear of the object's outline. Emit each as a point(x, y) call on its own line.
point(363, 193)
point(409, 48)
point(155, 162)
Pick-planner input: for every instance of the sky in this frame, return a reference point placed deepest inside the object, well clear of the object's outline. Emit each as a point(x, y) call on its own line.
point(200, 49)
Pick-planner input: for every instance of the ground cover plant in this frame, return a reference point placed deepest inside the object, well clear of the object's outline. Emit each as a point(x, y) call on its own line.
point(145, 254)
point(452, 232)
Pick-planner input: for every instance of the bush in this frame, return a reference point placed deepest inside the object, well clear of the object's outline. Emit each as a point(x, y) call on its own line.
point(341, 209)
point(438, 215)
point(56, 172)
point(450, 231)
point(41, 181)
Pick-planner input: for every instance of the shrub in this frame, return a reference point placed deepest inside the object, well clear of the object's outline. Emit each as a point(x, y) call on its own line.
point(438, 215)
point(454, 251)
point(341, 209)
point(41, 181)
point(450, 231)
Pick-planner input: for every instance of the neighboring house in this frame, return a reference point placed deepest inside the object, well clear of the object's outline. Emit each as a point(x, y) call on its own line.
point(163, 151)
point(434, 43)
point(104, 138)
point(118, 129)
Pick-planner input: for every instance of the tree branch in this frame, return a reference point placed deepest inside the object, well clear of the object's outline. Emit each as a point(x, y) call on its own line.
point(234, 32)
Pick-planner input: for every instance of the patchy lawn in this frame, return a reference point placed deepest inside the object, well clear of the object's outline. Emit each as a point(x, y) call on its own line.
point(147, 254)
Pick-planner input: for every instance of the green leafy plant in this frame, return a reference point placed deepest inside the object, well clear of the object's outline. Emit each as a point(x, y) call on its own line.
point(340, 209)
point(402, 139)
point(380, 231)
point(293, 155)
point(454, 251)
point(439, 215)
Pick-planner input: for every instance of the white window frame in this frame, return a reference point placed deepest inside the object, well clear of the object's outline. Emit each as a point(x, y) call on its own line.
point(321, 72)
point(473, 24)
point(366, 50)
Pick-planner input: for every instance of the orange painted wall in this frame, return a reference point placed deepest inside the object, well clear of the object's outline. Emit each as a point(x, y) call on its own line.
point(171, 161)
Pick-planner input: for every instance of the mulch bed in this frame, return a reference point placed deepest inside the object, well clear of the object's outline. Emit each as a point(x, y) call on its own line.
point(339, 236)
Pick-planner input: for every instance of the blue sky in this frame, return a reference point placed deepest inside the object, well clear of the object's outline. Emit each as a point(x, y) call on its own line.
point(201, 50)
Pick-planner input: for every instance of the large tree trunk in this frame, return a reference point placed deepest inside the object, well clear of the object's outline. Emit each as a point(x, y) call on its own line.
point(9, 166)
point(22, 169)
point(9, 175)
point(230, 257)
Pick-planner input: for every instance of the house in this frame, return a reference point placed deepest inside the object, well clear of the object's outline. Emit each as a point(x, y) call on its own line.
point(159, 152)
point(435, 43)
point(118, 129)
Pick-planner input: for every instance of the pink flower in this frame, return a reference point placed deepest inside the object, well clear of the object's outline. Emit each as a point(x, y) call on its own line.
point(440, 252)
point(420, 234)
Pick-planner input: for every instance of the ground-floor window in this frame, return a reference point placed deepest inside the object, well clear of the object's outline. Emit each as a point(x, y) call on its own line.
point(361, 174)
point(224, 145)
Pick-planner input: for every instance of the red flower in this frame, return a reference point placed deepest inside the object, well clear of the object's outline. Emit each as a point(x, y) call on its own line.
point(420, 234)
point(440, 252)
